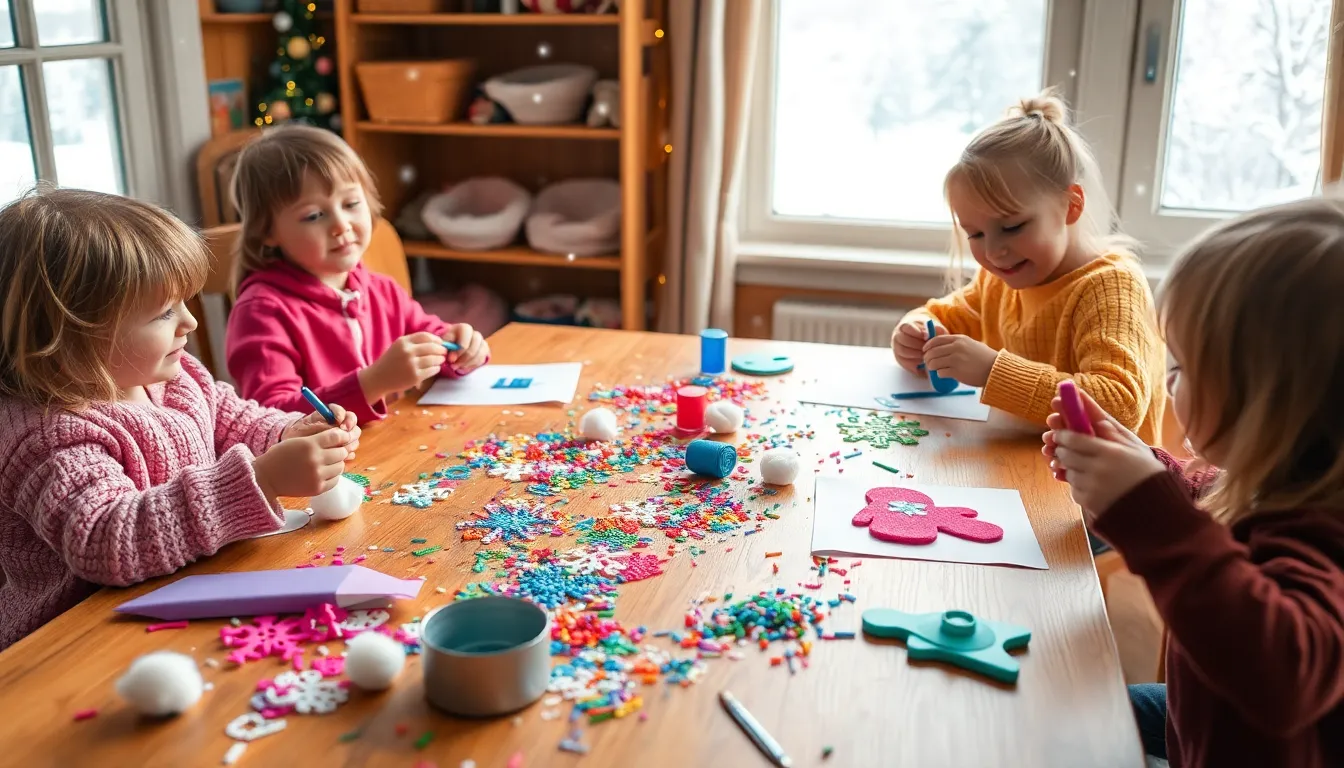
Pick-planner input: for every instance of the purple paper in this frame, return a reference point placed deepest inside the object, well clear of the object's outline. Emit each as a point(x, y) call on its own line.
point(259, 593)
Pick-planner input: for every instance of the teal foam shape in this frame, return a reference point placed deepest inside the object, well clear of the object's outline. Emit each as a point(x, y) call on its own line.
point(955, 637)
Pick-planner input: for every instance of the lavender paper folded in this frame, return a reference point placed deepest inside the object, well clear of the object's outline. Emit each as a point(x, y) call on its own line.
point(257, 593)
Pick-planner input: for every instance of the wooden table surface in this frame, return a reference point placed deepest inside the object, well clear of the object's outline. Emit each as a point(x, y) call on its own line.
point(865, 699)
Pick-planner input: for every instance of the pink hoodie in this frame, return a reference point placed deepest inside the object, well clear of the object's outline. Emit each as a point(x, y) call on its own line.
point(288, 330)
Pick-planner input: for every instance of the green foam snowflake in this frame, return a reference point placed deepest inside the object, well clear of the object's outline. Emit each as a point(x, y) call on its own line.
point(880, 431)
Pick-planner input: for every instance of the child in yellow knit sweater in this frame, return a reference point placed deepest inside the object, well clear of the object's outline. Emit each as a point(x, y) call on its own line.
point(1056, 296)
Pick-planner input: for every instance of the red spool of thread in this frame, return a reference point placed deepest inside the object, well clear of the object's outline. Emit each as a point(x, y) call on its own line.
point(691, 404)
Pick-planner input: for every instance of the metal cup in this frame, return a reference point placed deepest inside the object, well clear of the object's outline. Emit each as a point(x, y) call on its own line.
point(487, 656)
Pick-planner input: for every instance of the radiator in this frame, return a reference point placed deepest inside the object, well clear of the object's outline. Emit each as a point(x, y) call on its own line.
point(856, 325)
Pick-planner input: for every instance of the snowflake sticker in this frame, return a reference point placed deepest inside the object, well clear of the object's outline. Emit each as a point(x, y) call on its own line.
point(906, 507)
point(644, 512)
point(514, 472)
point(508, 520)
point(304, 692)
point(880, 431)
point(421, 495)
point(594, 559)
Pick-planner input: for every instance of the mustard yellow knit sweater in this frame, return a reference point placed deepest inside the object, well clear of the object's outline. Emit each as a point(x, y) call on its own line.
point(1095, 325)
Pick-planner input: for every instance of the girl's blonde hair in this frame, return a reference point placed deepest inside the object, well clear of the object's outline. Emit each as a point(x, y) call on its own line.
point(1035, 138)
point(1255, 308)
point(75, 266)
point(269, 176)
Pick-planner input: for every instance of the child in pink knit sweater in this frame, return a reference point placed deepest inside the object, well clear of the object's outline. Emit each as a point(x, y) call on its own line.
point(121, 459)
point(307, 310)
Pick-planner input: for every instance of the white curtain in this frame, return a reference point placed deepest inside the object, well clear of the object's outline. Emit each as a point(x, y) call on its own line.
point(1332, 132)
point(713, 57)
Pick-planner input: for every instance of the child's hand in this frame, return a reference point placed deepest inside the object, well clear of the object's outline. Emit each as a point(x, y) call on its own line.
point(907, 342)
point(959, 357)
point(409, 361)
point(1101, 469)
point(474, 353)
point(303, 466)
point(314, 423)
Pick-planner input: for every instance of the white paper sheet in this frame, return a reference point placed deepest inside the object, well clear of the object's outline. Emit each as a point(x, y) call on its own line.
point(871, 374)
point(294, 520)
point(839, 499)
point(551, 383)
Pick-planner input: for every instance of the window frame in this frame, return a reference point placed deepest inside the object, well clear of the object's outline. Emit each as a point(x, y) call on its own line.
point(125, 52)
point(760, 226)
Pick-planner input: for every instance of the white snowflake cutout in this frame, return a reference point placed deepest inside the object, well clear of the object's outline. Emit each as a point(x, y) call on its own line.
point(643, 512)
point(421, 495)
point(252, 726)
point(650, 477)
point(310, 692)
point(586, 560)
point(514, 471)
point(359, 621)
point(911, 508)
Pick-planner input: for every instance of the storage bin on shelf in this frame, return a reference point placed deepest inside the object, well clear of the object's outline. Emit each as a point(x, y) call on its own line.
point(421, 92)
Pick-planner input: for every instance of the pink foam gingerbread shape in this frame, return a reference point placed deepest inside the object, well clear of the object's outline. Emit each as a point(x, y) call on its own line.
point(910, 517)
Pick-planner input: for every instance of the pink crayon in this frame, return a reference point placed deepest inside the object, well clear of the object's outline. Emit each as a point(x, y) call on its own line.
point(1075, 418)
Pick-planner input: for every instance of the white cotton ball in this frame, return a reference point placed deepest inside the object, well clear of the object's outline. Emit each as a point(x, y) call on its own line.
point(161, 683)
point(340, 502)
point(779, 466)
point(598, 424)
point(373, 660)
point(723, 417)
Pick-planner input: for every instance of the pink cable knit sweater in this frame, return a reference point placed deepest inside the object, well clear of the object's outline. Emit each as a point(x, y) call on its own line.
point(121, 492)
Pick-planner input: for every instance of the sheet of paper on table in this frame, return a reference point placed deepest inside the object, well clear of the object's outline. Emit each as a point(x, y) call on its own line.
point(871, 377)
point(839, 499)
point(545, 383)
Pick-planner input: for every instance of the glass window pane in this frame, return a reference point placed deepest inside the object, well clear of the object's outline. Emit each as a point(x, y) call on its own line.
point(18, 171)
point(70, 22)
point(84, 124)
point(874, 101)
point(6, 25)
point(1246, 108)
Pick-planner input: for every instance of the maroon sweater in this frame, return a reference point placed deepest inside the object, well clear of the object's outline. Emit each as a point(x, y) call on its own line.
point(1255, 612)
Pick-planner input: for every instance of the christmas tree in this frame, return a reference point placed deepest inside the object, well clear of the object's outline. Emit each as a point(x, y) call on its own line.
point(302, 82)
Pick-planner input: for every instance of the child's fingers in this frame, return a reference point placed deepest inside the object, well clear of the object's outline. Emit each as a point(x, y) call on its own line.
point(432, 348)
point(349, 422)
point(940, 341)
point(424, 337)
point(1055, 422)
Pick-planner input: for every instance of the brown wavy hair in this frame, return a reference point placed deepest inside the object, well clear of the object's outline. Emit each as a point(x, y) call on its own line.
point(1255, 307)
point(269, 177)
point(74, 266)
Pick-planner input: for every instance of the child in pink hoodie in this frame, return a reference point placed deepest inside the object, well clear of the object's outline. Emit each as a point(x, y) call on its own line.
point(121, 459)
point(307, 312)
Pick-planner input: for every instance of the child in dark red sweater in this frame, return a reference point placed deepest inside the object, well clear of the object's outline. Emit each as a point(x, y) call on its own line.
point(1245, 562)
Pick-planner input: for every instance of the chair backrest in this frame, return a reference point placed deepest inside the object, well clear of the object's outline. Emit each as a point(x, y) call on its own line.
point(214, 173)
point(211, 306)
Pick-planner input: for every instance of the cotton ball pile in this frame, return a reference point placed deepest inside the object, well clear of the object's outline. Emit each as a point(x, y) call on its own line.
point(598, 424)
point(340, 502)
point(779, 466)
point(373, 661)
point(723, 417)
point(161, 683)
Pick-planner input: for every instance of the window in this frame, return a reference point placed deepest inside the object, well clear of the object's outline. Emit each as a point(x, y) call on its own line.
point(866, 105)
point(1225, 112)
point(1197, 109)
point(74, 101)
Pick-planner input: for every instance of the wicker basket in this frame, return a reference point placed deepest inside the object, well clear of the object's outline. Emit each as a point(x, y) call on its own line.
point(425, 92)
point(402, 6)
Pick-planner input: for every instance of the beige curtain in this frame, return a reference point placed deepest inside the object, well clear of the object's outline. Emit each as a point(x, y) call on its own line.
point(1332, 132)
point(713, 55)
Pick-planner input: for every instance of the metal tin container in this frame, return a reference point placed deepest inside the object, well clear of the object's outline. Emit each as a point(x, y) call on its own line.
point(487, 656)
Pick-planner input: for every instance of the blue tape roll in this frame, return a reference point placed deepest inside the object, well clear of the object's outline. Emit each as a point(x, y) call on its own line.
point(713, 350)
point(706, 457)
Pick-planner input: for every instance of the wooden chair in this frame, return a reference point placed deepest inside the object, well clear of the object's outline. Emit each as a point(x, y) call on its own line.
point(385, 256)
point(214, 173)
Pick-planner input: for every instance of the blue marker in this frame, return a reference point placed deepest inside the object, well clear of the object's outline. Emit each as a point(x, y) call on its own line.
point(318, 405)
point(921, 395)
point(941, 384)
point(451, 347)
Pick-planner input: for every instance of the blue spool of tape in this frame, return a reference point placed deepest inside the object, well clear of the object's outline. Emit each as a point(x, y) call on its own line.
point(713, 350)
point(706, 457)
point(943, 385)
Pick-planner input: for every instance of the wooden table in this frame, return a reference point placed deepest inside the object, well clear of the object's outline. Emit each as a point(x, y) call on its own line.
point(865, 699)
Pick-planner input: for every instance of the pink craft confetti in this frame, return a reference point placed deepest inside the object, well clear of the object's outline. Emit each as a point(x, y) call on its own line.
point(516, 761)
point(165, 625)
point(86, 714)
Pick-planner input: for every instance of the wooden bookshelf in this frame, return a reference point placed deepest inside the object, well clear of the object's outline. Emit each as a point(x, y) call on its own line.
point(407, 160)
